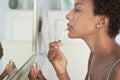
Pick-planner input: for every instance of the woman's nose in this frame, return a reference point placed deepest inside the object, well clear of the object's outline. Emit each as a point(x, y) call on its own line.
point(69, 16)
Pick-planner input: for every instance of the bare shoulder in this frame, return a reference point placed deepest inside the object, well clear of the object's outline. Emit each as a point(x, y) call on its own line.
point(115, 74)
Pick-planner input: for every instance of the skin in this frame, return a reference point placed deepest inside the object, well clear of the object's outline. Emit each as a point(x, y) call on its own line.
point(35, 73)
point(9, 70)
point(93, 29)
point(58, 60)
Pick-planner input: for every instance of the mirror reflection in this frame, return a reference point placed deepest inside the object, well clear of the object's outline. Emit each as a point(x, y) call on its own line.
point(16, 23)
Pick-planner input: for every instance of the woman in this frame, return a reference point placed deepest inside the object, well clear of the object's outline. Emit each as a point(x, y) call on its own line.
point(97, 22)
point(10, 68)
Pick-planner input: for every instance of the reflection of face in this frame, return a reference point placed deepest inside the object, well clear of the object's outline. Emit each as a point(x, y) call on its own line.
point(1, 51)
point(82, 21)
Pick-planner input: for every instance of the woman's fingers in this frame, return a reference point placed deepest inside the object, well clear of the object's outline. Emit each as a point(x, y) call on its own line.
point(32, 74)
point(10, 68)
point(54, 53)
point(35, 68)
point(36, 73)
point(51, 52)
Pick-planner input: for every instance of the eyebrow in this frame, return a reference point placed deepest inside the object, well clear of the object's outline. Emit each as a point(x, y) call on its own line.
point(77, 3)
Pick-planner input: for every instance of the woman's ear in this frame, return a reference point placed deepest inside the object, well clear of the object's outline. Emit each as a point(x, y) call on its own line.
point(101, 21)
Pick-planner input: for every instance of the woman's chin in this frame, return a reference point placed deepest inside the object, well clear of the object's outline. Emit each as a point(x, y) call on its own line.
point(71, 36)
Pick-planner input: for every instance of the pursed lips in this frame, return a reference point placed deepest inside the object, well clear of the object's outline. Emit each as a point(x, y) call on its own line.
point(69, 26)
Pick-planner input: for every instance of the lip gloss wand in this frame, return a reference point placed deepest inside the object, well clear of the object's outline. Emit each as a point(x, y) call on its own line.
point(61, 37)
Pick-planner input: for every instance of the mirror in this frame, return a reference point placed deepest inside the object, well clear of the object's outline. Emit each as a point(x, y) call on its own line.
point(16, 24)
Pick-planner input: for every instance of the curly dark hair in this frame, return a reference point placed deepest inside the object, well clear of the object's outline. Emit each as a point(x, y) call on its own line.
point(111, 9)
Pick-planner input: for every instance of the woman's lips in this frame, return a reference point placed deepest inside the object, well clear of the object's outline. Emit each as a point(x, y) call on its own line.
point(68, 26)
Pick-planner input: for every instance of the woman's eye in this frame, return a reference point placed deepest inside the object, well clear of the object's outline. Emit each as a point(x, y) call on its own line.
point(77, 10)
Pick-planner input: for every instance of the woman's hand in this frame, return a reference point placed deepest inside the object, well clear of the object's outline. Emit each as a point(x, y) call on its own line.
point(9, 70)
point(35, 73)
point(57, 58)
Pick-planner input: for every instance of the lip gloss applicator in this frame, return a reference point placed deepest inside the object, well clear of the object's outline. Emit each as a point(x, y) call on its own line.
point(61, 37)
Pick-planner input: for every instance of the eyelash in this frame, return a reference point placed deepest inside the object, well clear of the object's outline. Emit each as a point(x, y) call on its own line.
point(77, 10)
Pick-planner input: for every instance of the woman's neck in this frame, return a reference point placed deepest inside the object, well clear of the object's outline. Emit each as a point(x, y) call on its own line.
point(103, 46)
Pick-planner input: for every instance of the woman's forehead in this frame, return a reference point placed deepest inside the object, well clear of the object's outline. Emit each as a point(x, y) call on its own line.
point(82, 1)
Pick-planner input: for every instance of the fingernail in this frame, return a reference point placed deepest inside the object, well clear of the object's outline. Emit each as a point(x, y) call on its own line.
point(56, 47)
point(35, 64)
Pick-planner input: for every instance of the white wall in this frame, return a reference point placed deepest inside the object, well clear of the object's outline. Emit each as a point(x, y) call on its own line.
point(4, 6)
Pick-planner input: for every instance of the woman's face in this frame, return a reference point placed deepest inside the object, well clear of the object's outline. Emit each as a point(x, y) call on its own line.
point(82, 21)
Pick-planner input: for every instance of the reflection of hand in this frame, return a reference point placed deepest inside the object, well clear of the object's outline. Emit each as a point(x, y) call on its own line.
point(35, 73)
point(57, 58)
point(9, 70)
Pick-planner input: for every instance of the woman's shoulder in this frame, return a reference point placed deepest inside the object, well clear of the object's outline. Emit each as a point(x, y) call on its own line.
point(114, 73)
